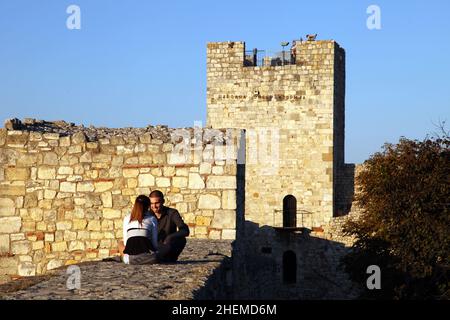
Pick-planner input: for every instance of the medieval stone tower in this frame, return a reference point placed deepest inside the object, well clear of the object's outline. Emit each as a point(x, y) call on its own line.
point(296, 109)
point(295, 184)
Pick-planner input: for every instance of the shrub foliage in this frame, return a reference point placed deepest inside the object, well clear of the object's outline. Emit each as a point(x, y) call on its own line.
point(404, 226)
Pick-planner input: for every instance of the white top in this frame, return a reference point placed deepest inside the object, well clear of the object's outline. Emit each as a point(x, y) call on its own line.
point(148, 228)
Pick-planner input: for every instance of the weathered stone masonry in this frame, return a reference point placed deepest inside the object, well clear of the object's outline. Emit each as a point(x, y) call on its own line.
point(303, 104)
point(63, 197)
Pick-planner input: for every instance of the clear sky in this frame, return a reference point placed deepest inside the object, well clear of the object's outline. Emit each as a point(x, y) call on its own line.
point(135, 63)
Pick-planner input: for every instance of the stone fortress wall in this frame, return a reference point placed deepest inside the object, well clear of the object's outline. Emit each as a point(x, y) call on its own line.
point(63, 193)
point(301, 106)
point(64, 190)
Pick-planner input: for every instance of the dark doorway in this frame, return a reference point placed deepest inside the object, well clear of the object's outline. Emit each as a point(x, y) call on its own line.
point(289, 211)
point(289, 267)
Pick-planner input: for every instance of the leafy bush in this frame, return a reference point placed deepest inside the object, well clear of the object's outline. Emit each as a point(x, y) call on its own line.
point(404, 226)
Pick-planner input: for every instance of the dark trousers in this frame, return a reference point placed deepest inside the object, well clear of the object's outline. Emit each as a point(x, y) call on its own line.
point(169, 252)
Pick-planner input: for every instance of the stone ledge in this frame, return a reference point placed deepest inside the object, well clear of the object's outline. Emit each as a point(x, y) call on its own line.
point(195, 275)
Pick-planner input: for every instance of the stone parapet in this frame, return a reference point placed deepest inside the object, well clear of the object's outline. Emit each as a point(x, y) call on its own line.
point(65, 189)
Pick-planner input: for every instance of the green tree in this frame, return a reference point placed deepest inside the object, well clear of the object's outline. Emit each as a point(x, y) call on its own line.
point(404, 226)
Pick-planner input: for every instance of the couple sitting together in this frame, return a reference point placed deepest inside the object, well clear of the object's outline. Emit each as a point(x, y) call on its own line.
point(150, 232)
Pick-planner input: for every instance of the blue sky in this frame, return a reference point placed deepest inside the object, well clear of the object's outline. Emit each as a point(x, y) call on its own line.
point(135, 63)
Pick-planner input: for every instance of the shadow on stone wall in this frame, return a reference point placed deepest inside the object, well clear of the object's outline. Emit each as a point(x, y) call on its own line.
point(219, 284)
point(261, 271)
point(345, 189)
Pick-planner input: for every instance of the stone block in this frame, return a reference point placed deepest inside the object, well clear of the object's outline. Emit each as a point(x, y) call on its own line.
point(76, 245)
point(96, 235)
point(178, 158)
point(209, 201)
point(8, 265)
point(28, 226)
point(83, 235)
point(85, 186)
point(145, 138)
point(50, 158)
point(117, 161)
point(132, 183)
point(200, 230)
point(79, 224)
point(11, 190)
point(107, 225)
point(78, 138)
point(102, 158)
point(107, 200)
point(217, 170)
point(103, 253)
point(13, 174)
point(202, 221)
point(229, 199)
point(49, 194)
point(111, 213)
point(20, 247)
point(65, 170)
point(86, 157)
point(38, 245)
point(146, 159)
point(103, 186)
point(63, 225)
point(10, 224)
point(68, 187)
point(46, 173)
point(146, 180)
point(221, 182)
point(179, 182)
point(159, 158)
point(17, 139)
point(94, 225)
point(215, 234)
point(4, 243)
point(224, 219)
point(105, 244)
point(17, 236)
point(51, 136)
point(205, 168)
point(7, 207)
point(36, 214)
point(228, 234)
point(54, 263)
point(162, 182)
point(195, 181)
point(30, 200)
point(181, 207)
point(130, 172)
point(64, 141)
point(59, 246)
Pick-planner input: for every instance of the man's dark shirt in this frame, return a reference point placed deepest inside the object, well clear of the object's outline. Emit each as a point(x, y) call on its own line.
point(168, 223)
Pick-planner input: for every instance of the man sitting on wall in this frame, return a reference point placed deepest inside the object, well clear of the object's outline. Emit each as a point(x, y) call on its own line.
point(171, 241)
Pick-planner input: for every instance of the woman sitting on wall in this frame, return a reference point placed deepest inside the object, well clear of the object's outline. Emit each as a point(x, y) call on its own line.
point(140, 234)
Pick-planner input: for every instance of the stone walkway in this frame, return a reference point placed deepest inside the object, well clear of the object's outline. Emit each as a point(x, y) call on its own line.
point(113, 280)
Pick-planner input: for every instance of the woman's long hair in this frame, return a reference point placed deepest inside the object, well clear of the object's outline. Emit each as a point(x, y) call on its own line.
point(141, 205)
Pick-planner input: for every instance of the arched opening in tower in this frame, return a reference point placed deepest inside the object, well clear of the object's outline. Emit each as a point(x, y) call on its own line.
point(289, 267)
point(289, 211)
